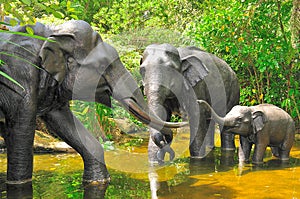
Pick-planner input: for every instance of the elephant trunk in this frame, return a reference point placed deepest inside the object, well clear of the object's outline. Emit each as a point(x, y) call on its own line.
point(125, 89)
point(148, 119)
point(215, 116)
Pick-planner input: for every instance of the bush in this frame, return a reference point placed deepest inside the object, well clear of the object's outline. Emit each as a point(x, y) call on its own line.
point(254, 38)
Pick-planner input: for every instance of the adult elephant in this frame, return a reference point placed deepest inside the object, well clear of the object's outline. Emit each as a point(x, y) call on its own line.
point(173, 80)
point(73, 64)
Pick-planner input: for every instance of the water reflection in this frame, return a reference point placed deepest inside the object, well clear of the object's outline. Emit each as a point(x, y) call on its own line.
point(25, 191)
point(219, 175)
point(19, 191)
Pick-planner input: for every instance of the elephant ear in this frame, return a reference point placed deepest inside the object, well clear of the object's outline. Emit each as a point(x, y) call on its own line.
point(53, 55)
point(193, 69)
point(259, 120)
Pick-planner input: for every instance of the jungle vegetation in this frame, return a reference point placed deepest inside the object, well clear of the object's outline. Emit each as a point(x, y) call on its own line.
point(258, 39)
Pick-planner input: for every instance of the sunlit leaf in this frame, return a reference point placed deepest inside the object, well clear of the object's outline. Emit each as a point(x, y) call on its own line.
point(85, 110)
point(13, 22)
point(227, 49)
point(57, 14)
point(29, 30)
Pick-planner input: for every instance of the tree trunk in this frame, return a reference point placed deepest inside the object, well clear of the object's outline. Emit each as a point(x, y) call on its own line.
point(295, 24)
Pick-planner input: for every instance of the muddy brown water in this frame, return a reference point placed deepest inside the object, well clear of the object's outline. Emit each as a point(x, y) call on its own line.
point(219, 175)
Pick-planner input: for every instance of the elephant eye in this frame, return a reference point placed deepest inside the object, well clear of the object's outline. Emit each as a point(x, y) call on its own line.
point(239, 120)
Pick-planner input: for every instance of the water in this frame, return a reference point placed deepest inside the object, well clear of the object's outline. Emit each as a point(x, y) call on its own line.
point(217, 176)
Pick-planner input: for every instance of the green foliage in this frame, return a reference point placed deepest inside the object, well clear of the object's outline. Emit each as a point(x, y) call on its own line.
point(96, 118)
point(254, 38)
point(26, 11)
point(126, 15)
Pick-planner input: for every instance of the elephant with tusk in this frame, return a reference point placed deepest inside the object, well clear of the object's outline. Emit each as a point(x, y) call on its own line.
point(263, 125)
point(74, 63)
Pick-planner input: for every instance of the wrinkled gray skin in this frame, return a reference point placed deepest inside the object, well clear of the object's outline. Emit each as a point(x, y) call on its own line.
point(76, 65)
point(263, 125)
point(173, 80)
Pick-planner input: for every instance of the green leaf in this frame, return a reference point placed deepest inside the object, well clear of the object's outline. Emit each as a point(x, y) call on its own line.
point(3, 23)
point(20, 58)
point(27, 35)
point(11, 79)
point(29, 30)
point(27, 2)
point(13, 43)
point(42, 6)
point(57, 14)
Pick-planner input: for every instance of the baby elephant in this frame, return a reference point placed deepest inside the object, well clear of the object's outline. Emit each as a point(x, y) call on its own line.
point(263, 125)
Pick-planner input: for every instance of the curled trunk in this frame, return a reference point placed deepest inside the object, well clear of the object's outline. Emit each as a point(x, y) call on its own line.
point(215, 116)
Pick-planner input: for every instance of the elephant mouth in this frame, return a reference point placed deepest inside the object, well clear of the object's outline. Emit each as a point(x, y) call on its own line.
point(228, 129)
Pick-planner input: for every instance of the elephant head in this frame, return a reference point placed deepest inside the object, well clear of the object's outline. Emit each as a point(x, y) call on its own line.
point(241, 120)
point(86, 68)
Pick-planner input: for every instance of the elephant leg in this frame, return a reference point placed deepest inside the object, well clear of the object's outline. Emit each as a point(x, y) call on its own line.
point(259, 151)
point(152, 150)
point(227, 141)
point(210, 136)
point(19, 142)
point(19, 190)
point(285, 148)
point(275, 151)
point(244, 149)
point(284, 155)
point(72, 131)
point(198, 131)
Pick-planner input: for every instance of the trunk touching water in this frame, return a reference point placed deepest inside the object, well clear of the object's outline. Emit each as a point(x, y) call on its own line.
point(215, 116)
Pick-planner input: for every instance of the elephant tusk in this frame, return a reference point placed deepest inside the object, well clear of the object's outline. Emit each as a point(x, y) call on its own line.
point(152, 121)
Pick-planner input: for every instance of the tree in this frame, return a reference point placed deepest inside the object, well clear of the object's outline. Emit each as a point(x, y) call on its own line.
point(295, 24)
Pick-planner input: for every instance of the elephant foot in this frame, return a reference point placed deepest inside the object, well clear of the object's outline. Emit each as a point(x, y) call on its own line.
point(202, 152)
point(15, 182)
point(102, 182)
point(228, 148)
point(197, 157)
point(284, 159)
point(246, 161)
point(257, 162)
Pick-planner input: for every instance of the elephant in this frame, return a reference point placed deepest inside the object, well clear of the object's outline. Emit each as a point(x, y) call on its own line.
point(72, 62)
point(173, 79)
point(263, 125)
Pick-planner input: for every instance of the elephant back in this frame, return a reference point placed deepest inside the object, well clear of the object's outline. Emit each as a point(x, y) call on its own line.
point(221, 81)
